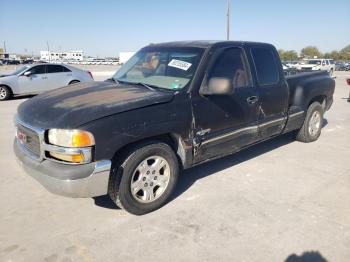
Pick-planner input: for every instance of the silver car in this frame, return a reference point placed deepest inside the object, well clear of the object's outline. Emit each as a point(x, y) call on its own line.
point(38, 78)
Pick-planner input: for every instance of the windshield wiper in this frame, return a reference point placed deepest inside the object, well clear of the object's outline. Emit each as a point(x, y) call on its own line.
point(145, 85)
point(152, 88)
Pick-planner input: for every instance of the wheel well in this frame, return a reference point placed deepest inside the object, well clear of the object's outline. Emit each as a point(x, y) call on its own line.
point(73, 81)
point(322, 99)
point(165, 138)
point(8, 88)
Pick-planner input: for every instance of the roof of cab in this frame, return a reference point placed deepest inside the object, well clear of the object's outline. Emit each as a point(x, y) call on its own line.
point(203, 43)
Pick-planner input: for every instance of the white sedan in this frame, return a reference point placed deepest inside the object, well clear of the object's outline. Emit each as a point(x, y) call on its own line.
point(38, 78)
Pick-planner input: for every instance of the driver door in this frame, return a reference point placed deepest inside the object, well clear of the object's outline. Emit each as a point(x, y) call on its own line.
point(226, 123)
point(34, 83)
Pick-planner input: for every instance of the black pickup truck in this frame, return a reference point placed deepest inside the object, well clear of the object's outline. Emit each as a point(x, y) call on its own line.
point(170, 107)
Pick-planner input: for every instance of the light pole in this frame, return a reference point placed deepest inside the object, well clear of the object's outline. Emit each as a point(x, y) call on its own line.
point(228, 20)
point(48, 50)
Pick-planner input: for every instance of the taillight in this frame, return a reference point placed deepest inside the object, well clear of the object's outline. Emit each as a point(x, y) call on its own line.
point(348, 81)
point(90, 74)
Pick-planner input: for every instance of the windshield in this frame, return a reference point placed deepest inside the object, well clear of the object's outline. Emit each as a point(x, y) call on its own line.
point(314, 62)
point(170, 68)
point(20, 70)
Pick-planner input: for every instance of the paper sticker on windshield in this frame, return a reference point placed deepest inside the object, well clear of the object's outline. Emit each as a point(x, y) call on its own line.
point(180, 64)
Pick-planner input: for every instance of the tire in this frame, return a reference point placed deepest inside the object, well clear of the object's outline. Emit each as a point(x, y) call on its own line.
point(73, 82)
point(5, 93)
point(134, 169)
point(312, 126)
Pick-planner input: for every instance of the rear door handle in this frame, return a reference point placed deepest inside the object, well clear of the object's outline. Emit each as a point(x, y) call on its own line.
point(252, 100)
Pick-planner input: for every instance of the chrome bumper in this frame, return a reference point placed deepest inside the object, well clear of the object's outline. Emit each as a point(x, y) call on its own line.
point(87, 180)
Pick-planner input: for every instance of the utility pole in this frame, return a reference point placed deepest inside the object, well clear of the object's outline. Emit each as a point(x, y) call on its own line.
point(228, 20)
point(4, 47)
point(48, 50)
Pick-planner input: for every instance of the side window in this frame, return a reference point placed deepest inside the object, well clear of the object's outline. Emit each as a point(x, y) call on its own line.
point(265, 66)
point(65, 69)
point(231, 64)
point(36, 70)
point(54, 69)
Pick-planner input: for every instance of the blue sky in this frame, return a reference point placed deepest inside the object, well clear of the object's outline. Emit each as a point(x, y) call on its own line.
point(106, 27)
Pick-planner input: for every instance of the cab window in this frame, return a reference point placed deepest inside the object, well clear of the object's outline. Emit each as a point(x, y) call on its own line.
point(265, 66)
point(231, 64)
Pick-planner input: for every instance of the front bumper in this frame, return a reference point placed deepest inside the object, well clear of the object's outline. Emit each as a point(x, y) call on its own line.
point(329, 103)
point(87, 180)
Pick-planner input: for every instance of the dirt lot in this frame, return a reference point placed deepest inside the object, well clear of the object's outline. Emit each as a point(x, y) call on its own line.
point(266, 203)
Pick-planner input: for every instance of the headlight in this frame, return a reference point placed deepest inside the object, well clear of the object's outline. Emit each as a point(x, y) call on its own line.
point(70, 145)
point(70, 138)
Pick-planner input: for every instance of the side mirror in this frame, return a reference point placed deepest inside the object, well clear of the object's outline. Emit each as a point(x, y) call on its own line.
point(218, 86)
point(27, 73)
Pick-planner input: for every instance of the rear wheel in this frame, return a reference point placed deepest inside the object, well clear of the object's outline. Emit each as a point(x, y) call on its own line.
point(5, 93)
point(143, 179)
point(311, 129)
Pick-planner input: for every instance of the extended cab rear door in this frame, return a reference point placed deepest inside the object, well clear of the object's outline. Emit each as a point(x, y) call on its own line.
point(273, 90)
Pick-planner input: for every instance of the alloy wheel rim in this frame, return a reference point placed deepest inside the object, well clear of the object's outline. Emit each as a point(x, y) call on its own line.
point(315, 123)
point(150, 179)
point(2, 92)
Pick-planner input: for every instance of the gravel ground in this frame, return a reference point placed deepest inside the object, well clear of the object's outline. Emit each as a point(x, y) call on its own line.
point(278, 201)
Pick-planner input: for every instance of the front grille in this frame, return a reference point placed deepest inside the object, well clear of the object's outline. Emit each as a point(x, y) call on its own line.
point(31, 141)
point(307, 69)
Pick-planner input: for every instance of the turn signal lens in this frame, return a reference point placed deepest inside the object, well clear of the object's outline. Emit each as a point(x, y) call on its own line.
point(68, 158)
point(70, 138)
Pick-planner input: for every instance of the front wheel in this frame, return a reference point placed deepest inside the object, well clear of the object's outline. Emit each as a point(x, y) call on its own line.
point(143, 179)
point(311, 129)
point(5, 93)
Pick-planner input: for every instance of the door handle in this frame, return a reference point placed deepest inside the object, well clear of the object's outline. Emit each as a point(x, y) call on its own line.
point(252, 100)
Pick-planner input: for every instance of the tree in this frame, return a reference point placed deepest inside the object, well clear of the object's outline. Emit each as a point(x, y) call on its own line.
point(344, 54)
point(288, 55)
point(310, 52)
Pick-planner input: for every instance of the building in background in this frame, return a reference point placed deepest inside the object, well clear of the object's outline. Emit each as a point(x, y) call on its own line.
point(61, 56)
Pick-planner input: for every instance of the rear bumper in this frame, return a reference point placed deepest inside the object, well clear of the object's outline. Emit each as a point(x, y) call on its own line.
point(87, 180)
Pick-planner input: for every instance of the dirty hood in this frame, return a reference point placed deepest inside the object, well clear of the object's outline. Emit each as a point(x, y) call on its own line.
point(75, 105)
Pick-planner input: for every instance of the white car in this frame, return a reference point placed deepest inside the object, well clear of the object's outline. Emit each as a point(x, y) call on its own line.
point(318, 64)
point(38, 78)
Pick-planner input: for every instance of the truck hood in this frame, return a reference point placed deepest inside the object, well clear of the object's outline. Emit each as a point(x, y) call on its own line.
point(75, 105)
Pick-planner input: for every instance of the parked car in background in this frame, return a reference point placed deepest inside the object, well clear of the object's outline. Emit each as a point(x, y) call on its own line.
point(38, 78)
point(317, 65)
point(288, 70)
point(11, 62)
point(28, 61)
point(292, 64)
point(342, 66)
